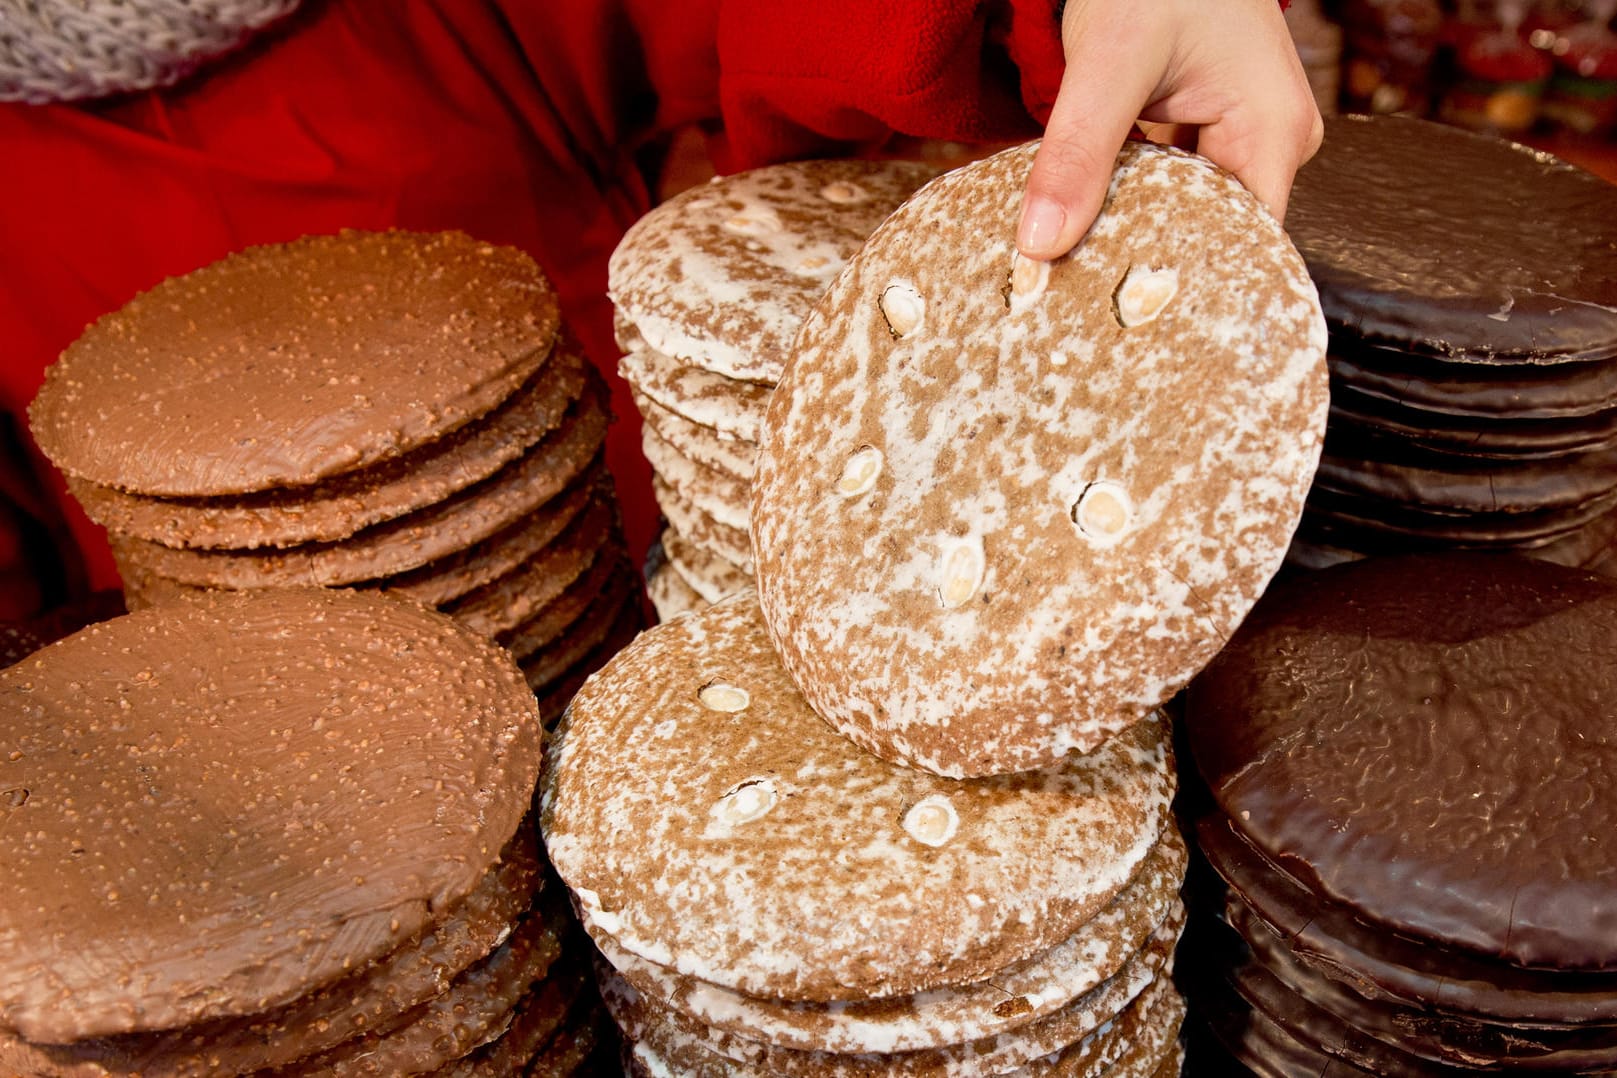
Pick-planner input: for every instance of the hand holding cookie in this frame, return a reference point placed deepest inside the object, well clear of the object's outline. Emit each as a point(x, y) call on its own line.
point(1221, 79)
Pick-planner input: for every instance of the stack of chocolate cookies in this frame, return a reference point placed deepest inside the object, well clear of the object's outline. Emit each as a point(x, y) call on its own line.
point(1473, 355)
point(371, 410)
point(1001, 511)
point(284, 830)
point(1411, 768)
point(772, 899)
point(709, 290)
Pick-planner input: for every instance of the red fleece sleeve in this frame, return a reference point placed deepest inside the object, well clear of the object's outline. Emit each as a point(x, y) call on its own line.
point(522, 121)
point(831, 75)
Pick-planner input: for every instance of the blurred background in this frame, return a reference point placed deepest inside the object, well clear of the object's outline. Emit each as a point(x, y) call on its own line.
point(1542, 72)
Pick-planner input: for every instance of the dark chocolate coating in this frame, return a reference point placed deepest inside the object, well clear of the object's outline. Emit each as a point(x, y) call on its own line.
point(1325, 539)
point(1470, 436)
point(1430, 1036)
point(1228, 1036)
point(1395, 968)
point(1428, 741)
point(1481, 390)
point(1438, 528)
point(1315, 1030)
point(1384, 469)
point(1455, 243)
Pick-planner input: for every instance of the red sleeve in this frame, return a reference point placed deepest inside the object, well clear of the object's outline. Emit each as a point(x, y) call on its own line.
point(805, 78)
point(358, 113)
point(828, 76)
point(522, 122)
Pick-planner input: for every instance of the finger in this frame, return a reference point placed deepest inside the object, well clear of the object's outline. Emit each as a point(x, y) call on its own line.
point(1100, 96)
point(1271, 129)
point(1265, 151)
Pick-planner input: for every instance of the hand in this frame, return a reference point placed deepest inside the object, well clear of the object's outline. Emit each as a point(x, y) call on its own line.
point(1220, 77)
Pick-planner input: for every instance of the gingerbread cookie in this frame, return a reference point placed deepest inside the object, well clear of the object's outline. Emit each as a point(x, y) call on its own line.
point(1002, 508)
point(1474, 350)
point(1411, 886)
point(338, 507)
point(398, 546)
point(222, 722)
point(721, 275)
point(715, 493)
point(723, 541)
point(732, 456)
point(671, 595)
point(1405, 255)
point(712, 576)
point(712, 679)
point(244, 375)
point(730, 407)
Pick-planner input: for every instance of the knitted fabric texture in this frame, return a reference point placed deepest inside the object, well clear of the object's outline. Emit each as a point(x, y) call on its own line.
point(66, 50)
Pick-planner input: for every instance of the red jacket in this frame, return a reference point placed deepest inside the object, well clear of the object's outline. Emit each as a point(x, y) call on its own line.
point(525, 122)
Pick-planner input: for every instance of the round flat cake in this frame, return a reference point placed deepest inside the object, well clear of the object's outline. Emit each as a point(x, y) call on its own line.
point(1002, 508)
point(705, 820)
point(245, 374)
point(1453, 758)
point(1438, 259)
point(719, 276)
point(338, 507)
point(216, 807)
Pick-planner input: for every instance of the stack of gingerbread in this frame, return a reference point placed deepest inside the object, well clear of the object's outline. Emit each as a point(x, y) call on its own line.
point(1410, 766)
point(770, 898)
point(287, 830)
point(905, 809)
point(390, 411)
point(709, 290)
point(1473, 355)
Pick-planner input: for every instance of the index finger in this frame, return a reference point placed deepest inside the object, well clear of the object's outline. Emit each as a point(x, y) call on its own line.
point(1095, 108)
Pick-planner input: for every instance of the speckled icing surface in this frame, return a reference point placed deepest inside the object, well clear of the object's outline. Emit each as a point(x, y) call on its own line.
point(1146, 915)
point(341, 506)
point(726, 453)
point(671, 595)
point(721, 275)
point(711, 576)
point(1133, 1042)
point(729, 406)
point(316, 776)
point(288, 363)
point(994, 523)
point(724, 541)
point(720, 496)
point(777, 861)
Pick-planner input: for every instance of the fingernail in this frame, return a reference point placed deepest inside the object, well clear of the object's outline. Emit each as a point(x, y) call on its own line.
point(1042, 220)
